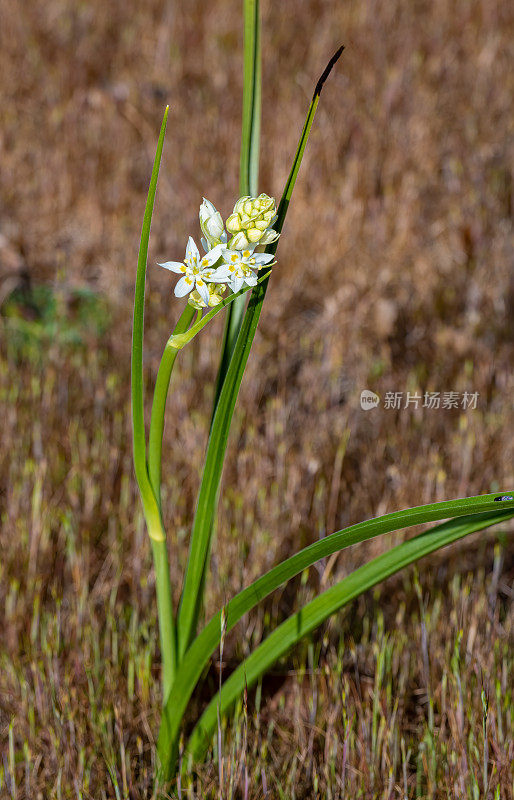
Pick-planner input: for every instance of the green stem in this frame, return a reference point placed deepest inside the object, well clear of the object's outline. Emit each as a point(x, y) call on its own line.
point(160, 395)
point(167, 630)
point(179, 340)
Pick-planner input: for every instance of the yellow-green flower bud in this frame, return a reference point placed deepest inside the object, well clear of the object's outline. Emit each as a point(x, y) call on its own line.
point(240, 204)
point(250, 221)
point(216, 291)
point(232, 224)
point(238, 242)
point(254, 235)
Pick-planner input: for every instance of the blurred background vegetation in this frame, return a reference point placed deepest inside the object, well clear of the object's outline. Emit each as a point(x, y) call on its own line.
point(395, 273)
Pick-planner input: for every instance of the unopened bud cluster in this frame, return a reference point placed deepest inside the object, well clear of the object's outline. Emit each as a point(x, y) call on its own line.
point(228, 262)
point(251, 222)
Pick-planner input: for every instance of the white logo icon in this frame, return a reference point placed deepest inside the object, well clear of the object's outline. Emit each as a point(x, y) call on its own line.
point(369, 400)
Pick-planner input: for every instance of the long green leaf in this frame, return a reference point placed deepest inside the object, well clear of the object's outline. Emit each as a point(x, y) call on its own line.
point(151, 499)
point(202, 526)
point(321, 608)
point(251, 123)
point(249, 161)
point(150, 504)
point(207, 641)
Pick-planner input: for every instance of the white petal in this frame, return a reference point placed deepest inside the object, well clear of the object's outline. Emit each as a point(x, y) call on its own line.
point(192, 253)
point(251, 280)
point(184, 286)
point(212, 256)
point(263, 258)
point(173, 266)
point(207, 207)
point(203, 291)
point(232, 257)
point(237, 284)
point(203, 241)
point(221, 274)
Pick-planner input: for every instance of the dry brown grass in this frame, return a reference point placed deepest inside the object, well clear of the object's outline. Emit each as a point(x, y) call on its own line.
point(395, 273)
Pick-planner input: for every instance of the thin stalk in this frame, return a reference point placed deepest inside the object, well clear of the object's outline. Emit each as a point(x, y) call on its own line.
point(167, 629)
point(160, 395)
point(179, 340)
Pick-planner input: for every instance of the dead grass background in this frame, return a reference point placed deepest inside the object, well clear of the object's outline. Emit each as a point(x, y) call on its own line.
point(395, 274)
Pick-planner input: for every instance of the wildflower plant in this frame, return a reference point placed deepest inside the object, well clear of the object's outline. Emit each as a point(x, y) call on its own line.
point(238, 259)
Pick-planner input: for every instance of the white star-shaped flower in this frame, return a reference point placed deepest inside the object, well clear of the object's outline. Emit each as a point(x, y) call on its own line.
point(240, 267)
point(195, 270)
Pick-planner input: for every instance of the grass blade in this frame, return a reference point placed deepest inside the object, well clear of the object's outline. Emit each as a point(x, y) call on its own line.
point(207, 641)
point(251, 126)
point(151, 499)
point(321, 608)
point(202, 526)
point(150, 504)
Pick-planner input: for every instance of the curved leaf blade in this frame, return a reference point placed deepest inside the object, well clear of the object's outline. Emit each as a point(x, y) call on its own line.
point(322, 607)
point(150, 504)
point(208, 639)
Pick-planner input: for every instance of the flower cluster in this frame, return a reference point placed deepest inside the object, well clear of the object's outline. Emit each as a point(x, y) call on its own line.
point(228, 262)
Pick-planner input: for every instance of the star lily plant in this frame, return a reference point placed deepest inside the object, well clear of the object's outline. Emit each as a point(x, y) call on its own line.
point(238, 257)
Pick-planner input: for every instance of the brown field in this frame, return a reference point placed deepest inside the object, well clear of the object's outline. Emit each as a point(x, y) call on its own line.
point(395, 274)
